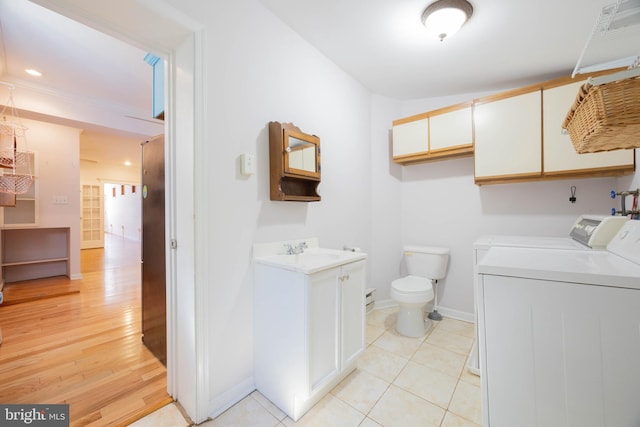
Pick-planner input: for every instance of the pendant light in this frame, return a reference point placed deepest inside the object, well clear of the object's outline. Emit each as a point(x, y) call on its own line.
point(444, 18)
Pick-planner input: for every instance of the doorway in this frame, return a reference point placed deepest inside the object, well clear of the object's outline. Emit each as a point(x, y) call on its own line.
point(180, 40)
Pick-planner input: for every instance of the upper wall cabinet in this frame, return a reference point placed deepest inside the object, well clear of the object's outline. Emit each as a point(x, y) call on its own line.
point(508, 135)
point(410, 138)
point(294, 159)
point(559, 155)
point(438, 134)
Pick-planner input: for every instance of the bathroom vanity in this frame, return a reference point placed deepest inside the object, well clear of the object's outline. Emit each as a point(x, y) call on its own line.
point(309, 322)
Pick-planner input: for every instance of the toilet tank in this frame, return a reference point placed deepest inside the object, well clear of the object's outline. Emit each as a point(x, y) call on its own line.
point(426, 261)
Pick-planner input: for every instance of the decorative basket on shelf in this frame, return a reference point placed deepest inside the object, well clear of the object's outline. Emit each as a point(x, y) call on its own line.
point(605, 117)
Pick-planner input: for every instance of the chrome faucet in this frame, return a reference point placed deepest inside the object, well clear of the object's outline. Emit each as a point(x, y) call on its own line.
point(295, 250)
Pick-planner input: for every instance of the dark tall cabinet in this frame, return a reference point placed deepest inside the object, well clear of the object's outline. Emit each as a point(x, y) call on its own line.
point(154, 302)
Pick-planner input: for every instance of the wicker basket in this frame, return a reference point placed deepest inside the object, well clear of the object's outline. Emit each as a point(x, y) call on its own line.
point(605, 117)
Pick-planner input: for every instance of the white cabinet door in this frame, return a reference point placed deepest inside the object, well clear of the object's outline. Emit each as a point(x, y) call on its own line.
point(323, 314)
point(508, 137)
point(411, 137)
point(450, 129)
point(352, 282)
point(559, 154)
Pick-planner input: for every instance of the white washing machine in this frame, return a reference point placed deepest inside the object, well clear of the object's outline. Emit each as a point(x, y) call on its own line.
point(559, 334)
point(589, 232)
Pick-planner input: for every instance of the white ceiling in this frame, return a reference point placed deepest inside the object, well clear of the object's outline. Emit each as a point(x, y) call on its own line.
point(381, 43)
point(505, 44)
point(83, 66)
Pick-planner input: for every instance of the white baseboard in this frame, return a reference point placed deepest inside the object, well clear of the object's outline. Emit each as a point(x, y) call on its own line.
point(384, 303)
point(230, 397)
point(446, 312)
point(75, 276)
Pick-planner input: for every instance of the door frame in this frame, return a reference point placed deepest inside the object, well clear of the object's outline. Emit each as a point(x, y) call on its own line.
point(180, 40)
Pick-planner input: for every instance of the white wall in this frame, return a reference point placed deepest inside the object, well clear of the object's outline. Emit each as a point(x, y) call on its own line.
point(260, 71)
point(57, 151)
point(122, 213)
point(441, 206)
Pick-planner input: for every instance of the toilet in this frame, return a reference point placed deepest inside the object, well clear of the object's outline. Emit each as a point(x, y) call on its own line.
point(425, 264)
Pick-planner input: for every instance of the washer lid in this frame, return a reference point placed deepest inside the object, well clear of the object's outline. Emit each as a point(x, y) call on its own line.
point(412, 284)
point(585, 267)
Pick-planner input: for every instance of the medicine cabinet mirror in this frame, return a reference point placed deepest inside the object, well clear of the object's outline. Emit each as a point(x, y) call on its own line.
point(294, 158)
point(301, 153)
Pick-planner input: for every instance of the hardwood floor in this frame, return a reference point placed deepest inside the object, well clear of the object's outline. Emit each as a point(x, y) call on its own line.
point(84, 348)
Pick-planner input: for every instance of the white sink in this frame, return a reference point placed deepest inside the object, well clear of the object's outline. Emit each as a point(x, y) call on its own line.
point(311, 260)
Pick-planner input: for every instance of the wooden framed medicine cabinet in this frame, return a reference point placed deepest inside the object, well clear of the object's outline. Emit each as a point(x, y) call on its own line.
point(294, 162)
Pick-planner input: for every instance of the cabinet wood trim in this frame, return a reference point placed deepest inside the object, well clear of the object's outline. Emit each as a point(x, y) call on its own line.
point(594, 172)
point(497, 179)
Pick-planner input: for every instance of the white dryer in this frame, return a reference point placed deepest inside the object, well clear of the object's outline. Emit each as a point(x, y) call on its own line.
point(559, 334)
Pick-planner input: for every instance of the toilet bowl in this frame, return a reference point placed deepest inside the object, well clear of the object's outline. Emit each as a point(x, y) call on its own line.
point(413, 292)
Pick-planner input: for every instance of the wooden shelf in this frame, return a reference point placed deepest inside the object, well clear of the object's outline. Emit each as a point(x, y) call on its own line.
point(38, 261)
point(34, 253)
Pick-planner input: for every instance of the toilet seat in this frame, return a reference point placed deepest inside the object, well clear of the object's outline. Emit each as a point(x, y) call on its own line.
point(412, 289)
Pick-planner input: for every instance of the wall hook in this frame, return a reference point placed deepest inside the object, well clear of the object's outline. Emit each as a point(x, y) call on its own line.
point(572, 199)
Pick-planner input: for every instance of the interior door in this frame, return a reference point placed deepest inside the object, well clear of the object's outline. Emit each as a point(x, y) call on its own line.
point(154, 303)
point(92, 233)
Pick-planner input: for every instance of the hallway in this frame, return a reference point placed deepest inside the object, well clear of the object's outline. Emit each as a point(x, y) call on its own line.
point(83, 348)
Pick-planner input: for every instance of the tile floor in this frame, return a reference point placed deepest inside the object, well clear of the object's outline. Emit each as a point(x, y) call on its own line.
point(399, 381)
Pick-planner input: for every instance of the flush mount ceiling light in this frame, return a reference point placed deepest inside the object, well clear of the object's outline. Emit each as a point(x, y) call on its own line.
point(444, 18)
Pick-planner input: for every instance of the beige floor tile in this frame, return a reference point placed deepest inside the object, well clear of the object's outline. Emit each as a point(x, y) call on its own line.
point(399, 408)
point(385, 317)
point(453, 420)
point(466, 329)
point(247, 412)
point(167, 416)
point(373, 332)
point(439, 358)
point(398, 344)
point(368, 422)
point(469, 377)
point(442, 338)
point(330, 411)
point(427, 383)
point(266, 404)
point(466, 402)
point(360, 390)
point(381, 363)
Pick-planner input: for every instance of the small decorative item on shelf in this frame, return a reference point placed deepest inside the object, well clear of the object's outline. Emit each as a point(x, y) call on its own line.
point(16, 174)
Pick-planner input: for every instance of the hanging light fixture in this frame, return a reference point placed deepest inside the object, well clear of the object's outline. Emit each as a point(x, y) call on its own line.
point(444, 18)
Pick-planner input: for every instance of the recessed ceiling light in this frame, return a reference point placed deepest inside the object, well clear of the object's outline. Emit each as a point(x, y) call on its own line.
point(33, 72)
point(127, 163)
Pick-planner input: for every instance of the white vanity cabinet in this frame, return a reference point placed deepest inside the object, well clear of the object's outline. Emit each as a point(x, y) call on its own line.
point(309, 329)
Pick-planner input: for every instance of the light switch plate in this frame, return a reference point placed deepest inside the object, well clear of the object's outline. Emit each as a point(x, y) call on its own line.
point(247, 164)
